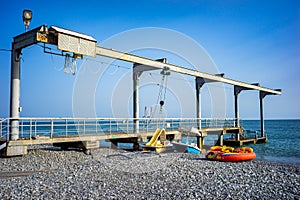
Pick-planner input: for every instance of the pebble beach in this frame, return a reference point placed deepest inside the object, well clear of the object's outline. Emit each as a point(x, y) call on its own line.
point(49, 173)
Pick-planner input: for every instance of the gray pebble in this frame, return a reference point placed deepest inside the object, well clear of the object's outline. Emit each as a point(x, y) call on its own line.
point(117, 174)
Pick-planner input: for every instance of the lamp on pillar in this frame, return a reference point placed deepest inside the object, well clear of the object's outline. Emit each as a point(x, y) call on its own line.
point(27, 16)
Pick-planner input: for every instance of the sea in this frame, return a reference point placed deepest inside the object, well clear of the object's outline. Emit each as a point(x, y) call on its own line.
point(283, 140)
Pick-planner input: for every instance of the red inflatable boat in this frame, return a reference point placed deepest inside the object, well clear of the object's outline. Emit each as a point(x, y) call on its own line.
point(229, 154)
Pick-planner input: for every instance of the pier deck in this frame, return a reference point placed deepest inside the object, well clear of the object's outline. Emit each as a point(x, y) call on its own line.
point(234, 142)
point(87, 132)
point(122, 137)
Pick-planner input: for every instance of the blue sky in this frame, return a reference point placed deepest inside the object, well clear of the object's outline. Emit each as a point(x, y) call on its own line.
point(251, 41)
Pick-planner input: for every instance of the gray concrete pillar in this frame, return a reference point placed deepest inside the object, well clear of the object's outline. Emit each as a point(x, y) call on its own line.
point(136, 110)
point(262, 123)
point(15, 93)
point(199, 83)
point(236, 105)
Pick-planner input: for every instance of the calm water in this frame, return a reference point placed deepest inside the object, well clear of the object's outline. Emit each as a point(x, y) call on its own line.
point(283, 140)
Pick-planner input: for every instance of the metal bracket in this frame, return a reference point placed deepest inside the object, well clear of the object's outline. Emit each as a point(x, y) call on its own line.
point(238, 89)
point(138, 69)
point(263, 94)
point(200, 81)
point(31, 37)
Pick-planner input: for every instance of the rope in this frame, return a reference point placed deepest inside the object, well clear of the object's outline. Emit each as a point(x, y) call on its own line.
point(162, 93)
point(166, 86)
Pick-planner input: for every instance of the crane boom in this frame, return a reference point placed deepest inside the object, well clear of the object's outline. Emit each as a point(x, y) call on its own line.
point(102, 51)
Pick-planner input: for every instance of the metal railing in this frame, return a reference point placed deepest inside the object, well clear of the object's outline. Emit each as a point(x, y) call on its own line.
point(63, 127)
point(4, 128)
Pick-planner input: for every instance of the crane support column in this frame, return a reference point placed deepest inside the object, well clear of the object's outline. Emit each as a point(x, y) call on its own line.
point(15, 93)
point(237, 91)
point(136, 110)
point(262, 95)
point(236, 109)
point(137, 71)
point(262, 123)
point(199, 83)
point(21, 41)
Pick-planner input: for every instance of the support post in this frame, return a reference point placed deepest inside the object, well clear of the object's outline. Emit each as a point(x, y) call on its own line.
point(237, 91)
point(15, 93)
point(137, 71)
point(21, 41)
point(262, 95)
point(136, 110)
point(262, 123)
point(200, 140)
point(221, 139)
point(199, 83)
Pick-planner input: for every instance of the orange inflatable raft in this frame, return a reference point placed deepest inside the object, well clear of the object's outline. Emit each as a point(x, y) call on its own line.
point(229, 154)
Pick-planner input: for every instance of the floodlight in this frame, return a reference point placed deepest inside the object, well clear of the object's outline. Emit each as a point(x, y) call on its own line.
point(27, 16)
